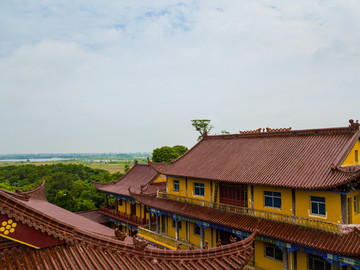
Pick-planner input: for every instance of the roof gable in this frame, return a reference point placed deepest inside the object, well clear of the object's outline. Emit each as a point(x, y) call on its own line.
point(350, 158)
point(141, 177)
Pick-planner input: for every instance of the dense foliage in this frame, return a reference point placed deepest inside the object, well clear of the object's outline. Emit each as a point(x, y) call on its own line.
point(69, 186)
point(167, 153)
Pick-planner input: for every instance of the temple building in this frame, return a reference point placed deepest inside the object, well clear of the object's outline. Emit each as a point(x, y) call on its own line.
point(301, 188)
point(35, 234)
point(121, 208)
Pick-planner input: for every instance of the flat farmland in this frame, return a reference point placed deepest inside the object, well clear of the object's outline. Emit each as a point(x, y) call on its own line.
point(110, 166)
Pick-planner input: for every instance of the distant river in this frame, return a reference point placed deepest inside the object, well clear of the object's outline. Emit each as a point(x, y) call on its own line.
point(36, 159)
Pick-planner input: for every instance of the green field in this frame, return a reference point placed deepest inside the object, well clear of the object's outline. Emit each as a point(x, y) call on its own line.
point(112, 166)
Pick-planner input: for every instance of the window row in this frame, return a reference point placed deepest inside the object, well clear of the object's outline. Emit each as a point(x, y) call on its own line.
point(271, 199)
point(317, 204)
point(199, 188)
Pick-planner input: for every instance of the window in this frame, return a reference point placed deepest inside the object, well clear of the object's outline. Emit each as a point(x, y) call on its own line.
point(318, 263)
point(196, 229)
point(356, 156)
point(272, 199)
point(176, 185)
point(199, 189)
point(120, 202)
point(174, 225)
point(318, 206)
point(356, 204)
point(273, 252)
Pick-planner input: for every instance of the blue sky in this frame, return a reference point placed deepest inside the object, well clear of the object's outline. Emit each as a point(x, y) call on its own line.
point(120, 76)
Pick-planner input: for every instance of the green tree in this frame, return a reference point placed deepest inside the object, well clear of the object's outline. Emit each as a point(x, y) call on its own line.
point(223, 132)
point(127, 168)
point(202, 126)
point(165, 154)
point(65, 199)
point(180, 149)
point(82, 205)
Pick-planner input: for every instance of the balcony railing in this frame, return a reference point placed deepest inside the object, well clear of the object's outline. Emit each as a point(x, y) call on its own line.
point(163, 239)
point(300, 221)
point(122, 216)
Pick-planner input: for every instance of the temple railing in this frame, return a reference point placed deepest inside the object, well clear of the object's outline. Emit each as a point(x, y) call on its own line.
point(162, 239)
point(300, 221)
point(122, 216)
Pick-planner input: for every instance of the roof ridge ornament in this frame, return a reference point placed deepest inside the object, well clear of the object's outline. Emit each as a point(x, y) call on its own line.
point(139, 244)
point(265, 130)
point(354, 125)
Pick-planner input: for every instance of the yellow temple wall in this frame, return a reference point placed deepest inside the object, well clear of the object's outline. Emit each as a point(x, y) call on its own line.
point(190, 188)
point(160, 179)
point(354, 217)
point(182, 186)
point(264, 262)
point(350, 159)
point(332, 205)
point(207, 191)
point(301, 260)
point(259, 201)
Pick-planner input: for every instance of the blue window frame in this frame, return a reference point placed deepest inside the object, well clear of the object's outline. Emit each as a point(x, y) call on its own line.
point(272, 199)
point(176, 185)
point(318, 205)
point(199, 189)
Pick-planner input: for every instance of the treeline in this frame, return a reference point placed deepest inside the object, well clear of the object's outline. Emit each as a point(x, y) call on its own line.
point(68, 186)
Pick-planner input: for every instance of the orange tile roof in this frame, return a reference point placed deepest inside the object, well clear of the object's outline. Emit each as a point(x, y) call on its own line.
point(307, 159)
point(347, 244)
point(83, 256)
point(95, 247)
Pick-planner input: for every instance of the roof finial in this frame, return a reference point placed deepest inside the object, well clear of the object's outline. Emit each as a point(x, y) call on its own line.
point(353, 125)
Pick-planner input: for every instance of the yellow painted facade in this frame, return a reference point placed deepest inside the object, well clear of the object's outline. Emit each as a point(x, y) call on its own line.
point(301, 260)
point(332, 203)
point(160, 179)
point(286, 200)
point(352, 204)
point(264, 262)
point(353, 157)
point(186, 188)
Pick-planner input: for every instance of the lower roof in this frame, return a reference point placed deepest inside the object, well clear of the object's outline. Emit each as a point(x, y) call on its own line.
point(82, 256)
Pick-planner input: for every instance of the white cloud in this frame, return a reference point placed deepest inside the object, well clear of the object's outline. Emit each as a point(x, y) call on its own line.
point(116, 76)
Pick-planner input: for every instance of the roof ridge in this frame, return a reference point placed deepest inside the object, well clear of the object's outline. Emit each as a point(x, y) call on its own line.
point(99, 184)
point(319, 131)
